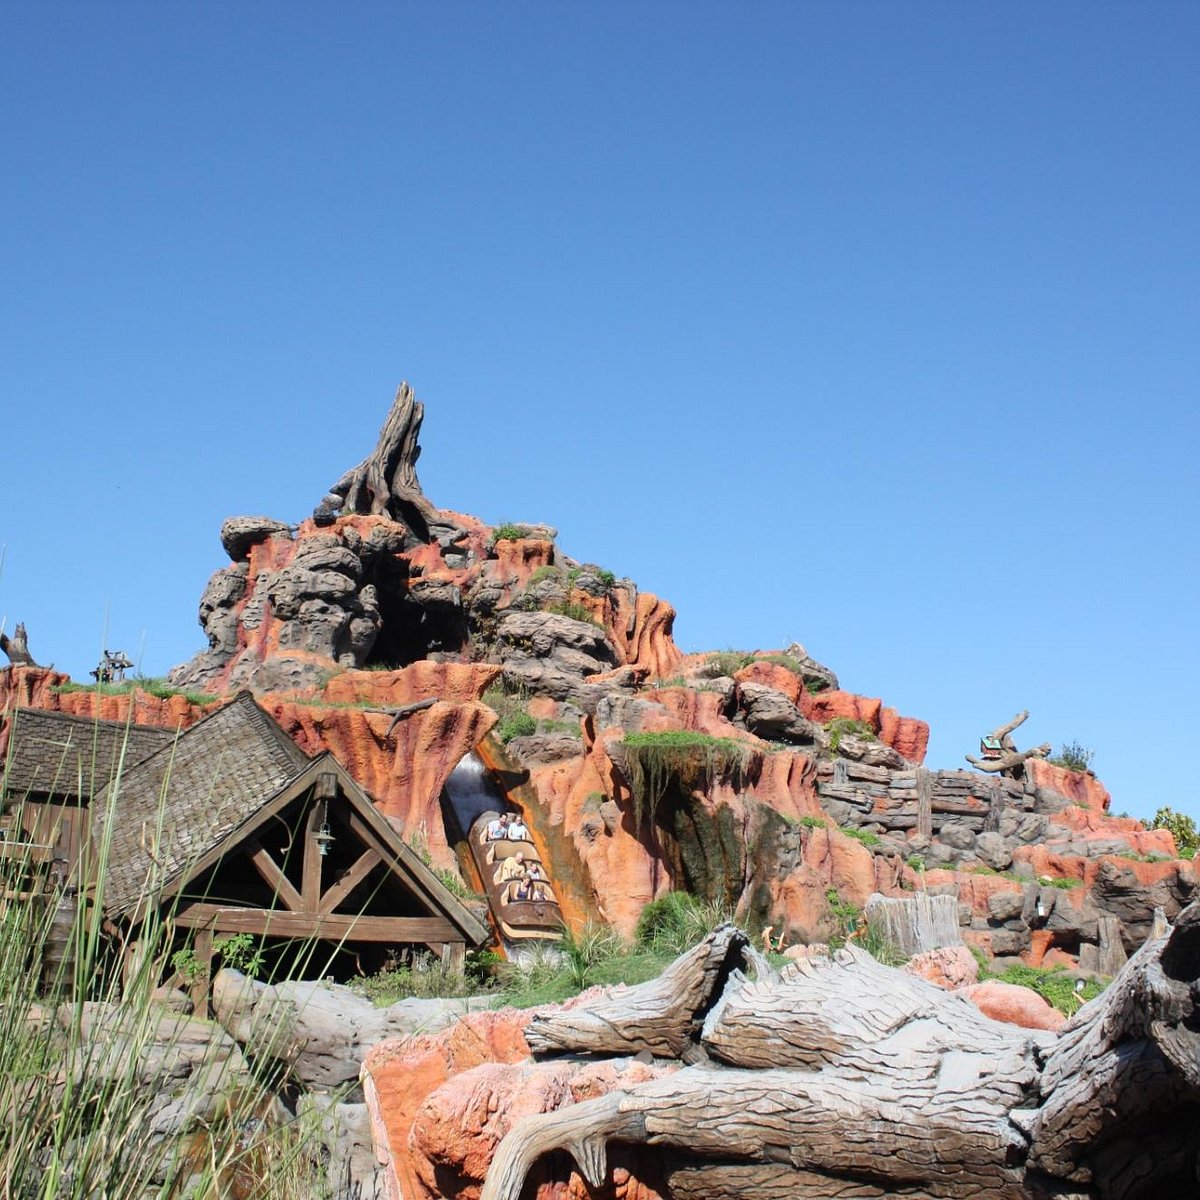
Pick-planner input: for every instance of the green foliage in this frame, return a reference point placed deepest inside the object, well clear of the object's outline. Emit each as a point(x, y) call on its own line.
point(813, 822)
point(880, 948)
point(656, 760)
point(606, 577)
point(846, 914)
point(676, 922)
point(238, 951)
point(1053, 985)
point(1182, 829)
point(841, 727)
point(916, 862)
point(1065, 882)
point(729, 662)
point(519, 724)
point(152, 686)
point(509, 532)
point(865, 836)
point(813, 686)
point(569, 608)
point(1073, 757)
point(542, 574)
point(423, 976)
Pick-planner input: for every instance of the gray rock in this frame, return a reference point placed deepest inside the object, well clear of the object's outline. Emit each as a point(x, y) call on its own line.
point(957, 835)
point(771, 715)
point(992, 849)
point(321, 1031)
point(1005, 906)
point(1009, 941)
point(238, 534)
point(353, 1168)
point(538, 749)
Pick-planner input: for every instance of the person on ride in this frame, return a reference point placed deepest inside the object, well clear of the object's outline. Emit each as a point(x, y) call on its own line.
point(517, 830)
point(511, 868)
point(497, 828)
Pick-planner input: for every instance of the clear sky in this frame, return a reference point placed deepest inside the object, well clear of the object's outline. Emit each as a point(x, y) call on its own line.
point(872, 326)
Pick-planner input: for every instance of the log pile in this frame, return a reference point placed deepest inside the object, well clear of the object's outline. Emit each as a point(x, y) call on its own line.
point(844, 1078)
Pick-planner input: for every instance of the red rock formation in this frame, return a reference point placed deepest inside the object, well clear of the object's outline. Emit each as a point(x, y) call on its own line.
point(1016, 1005)
point(774, 676)
point(906, 735)
point(824, 707)
point(948, 967)
point(1081, 787)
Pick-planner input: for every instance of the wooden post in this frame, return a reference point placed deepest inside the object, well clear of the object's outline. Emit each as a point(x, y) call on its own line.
point(201, 984)
point(454, 956)
point(924, 803)
point(310, 884)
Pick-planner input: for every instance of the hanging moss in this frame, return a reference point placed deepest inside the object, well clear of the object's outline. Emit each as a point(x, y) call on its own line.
point(656, 761)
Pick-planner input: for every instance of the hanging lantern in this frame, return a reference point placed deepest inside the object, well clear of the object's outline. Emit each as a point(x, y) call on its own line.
point(324, 839)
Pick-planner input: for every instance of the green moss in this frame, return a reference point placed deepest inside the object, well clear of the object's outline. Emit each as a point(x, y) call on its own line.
point(657, 760)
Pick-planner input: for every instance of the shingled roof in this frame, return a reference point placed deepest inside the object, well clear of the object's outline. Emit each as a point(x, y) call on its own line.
point(72, 758)
point(188, 797)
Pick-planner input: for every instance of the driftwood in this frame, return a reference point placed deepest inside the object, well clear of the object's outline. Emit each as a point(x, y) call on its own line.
point(1011, 761)
point(17, 647)
point(385, 483)
point(845, 1078)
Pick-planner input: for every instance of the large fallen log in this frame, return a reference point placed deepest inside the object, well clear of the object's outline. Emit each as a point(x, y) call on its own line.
point(843, 1078)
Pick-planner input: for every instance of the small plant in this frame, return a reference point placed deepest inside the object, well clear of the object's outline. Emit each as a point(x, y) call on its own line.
point(422, 975)
point(572, 609)
point(1065, 882)
point(729, 662)
point(606, 577)
point(509, 532)
point(916, 862)
point(518, 724)
point(238, 952)
point(1074, 757)
point(812, 822)
point(1181, 827)
point(880, 948)
point(846, 914)
point(813, 686)
point(841, 727)
point(865, 836)
point(542, 574)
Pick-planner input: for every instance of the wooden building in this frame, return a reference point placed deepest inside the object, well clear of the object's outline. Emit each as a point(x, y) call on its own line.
point(54, 764)
point(233, 829)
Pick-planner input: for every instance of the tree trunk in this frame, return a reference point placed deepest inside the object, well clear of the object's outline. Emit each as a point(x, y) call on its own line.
point(844, 1078)
point(17, 647)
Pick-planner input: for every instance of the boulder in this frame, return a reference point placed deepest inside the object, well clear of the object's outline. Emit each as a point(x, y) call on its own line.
point(950, 967)
point(1014, 1004)
point(238, 534)
point(992, 849)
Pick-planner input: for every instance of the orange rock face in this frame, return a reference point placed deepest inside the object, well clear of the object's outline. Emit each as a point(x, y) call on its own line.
point(1082, 787)
point(774, 676)
point(1015, 1005)
point(824, 707)
point(906, 735)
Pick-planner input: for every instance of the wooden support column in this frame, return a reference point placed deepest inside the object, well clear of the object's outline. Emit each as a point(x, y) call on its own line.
point(454, 956)
point(310, 885)
point(203, 946)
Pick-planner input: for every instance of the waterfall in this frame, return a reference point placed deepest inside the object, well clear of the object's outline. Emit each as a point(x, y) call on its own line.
point(472, 791)
point(915, 923)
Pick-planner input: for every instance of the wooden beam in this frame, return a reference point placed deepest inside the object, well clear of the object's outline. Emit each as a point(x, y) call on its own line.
point(332, 927)
point(362, 867)
point(269, 869)
point(310, 885)
point(203, 945)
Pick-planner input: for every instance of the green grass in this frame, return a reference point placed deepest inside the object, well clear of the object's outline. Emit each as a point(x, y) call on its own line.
point(841, 727)
point(729, 662)
point(813, 822)
point(572, 609)
point(1065, 882)
point(151, 686)
point(519, 724)
point(542, 574)
point(865, 836)
point(1052, 984)
point(683, 757)
point(428, 977)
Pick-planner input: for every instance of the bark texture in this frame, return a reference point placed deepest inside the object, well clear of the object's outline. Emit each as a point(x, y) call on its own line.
point(844, 1078)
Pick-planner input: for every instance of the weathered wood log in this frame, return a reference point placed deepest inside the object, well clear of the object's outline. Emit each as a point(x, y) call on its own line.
point(407, 710)
point(17, 647)
point(1008, 761)
point(385, 483)
point(663, 1016)
point(843, 1078)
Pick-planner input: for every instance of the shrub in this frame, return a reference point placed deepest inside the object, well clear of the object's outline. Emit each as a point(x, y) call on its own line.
point(841, 727)
point(846, 914)
point(729, 662)
point(606, 577)
point(517, 724)
point(1073, 757)
point(676, 922)
point(569, 608)
point(916, 862)
point(1182, 829)
point(423, 976)
point(813, 686)
point(510, 533)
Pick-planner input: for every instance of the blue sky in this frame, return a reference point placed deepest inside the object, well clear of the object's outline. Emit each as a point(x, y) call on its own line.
point(870, 326)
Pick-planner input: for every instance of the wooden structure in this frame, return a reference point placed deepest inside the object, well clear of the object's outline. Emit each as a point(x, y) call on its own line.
point(54, 764)
point(842, 1077)
point(234, 830)
point(1000, 753)
point(517, 919)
